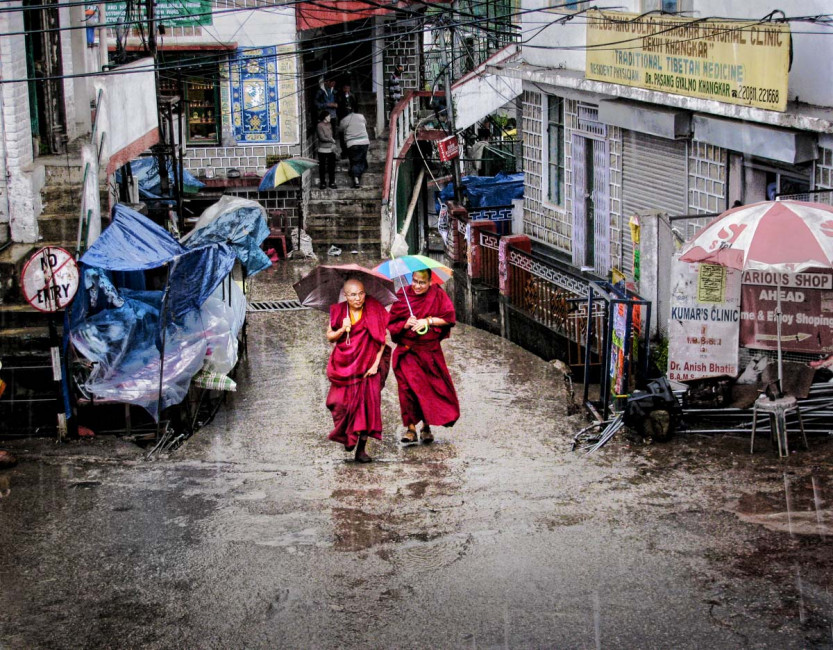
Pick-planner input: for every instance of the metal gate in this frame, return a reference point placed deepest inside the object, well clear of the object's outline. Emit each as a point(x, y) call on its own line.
point(654, 178)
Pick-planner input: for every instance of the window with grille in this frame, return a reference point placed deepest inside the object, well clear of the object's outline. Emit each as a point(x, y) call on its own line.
point(555, 149)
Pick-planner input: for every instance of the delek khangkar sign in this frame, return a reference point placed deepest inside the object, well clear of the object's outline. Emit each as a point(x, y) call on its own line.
point(737, 62)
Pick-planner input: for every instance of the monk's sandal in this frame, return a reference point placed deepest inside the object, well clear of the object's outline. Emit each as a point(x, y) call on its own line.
point(426, 436)
point(409, 437)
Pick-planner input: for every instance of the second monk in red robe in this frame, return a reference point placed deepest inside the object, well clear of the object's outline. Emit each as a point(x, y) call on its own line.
point(426, 392)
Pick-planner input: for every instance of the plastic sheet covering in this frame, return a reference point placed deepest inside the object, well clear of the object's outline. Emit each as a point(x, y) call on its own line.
point(120, 327)
point(484, 191)
point(123, 340)
point(239, 222)
point(223, 315)
point(146, 172)
point(131, 242)
point(196, 275)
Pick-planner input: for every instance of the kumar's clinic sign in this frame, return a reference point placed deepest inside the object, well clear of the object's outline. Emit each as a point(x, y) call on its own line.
point(737, 62)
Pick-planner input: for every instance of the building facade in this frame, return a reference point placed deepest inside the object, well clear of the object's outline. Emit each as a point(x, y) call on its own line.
point(236, 69)
point(45, 58)
point(629, 114)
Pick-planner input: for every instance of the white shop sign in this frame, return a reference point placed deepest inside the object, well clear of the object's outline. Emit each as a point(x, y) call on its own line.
point(704, 323)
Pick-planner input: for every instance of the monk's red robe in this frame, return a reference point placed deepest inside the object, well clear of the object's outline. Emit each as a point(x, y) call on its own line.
point(355, 401)
point(426, 392)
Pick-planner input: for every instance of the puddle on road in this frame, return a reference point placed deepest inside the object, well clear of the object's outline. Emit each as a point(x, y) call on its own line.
point(801, 507)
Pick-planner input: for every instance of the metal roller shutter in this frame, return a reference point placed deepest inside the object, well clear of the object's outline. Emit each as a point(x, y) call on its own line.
point(654, 177)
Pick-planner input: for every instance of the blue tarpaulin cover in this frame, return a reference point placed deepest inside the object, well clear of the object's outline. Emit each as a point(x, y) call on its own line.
point(239, 222)
point(483, 191)
point(146, 172)
point(120, 327)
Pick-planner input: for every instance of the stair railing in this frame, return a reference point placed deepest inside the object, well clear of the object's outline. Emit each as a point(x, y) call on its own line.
point(86, 212)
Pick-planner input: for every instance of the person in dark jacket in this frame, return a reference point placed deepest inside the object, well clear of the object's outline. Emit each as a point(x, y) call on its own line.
point(347, 102)
point(326, 150)
point(326, 99)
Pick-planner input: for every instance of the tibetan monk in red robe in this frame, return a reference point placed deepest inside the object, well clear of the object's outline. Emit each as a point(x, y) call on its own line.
point(357, 369)
point(426, 392)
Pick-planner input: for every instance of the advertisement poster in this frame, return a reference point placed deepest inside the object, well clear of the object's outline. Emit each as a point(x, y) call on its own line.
point(738, 62)
point(705, 321)
point(806, 311)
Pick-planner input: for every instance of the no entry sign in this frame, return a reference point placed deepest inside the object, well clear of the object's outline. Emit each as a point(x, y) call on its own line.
point(49, 279)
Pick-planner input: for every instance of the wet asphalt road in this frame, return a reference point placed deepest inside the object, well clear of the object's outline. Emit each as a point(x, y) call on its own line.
point(259, 533)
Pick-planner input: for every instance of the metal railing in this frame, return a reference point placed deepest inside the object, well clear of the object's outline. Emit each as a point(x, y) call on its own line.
point(535, 290)
point(489, 265)
point(85, 211)
point(500, 215)
point(559, 301)
point(811, 196)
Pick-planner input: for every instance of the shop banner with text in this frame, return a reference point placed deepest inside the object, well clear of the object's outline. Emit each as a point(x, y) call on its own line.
point(173, 13)
point(705, 317)
point(738, 62)
point(806, 311)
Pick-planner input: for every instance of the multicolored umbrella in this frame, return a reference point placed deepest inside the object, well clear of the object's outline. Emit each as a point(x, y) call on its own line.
point(284, 171)
point(402, 268)
point(321, 287)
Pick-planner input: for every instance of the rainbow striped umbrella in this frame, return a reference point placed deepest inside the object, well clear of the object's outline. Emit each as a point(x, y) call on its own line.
point(284, 171)
point(402, 269)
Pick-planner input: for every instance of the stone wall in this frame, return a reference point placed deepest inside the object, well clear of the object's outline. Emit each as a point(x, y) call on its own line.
point(249, 159)
point(287, 198)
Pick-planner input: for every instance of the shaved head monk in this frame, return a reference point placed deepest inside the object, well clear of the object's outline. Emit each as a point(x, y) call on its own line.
point(421, 318)
point(357, 369)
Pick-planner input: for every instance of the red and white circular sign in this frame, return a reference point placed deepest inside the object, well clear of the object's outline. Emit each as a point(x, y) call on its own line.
point(49, 279)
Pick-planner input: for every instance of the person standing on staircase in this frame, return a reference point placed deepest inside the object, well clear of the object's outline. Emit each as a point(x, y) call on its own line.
point(354, 128)
point(346, 103)
point(325, 99)
point(346, 100)
point(326, 150)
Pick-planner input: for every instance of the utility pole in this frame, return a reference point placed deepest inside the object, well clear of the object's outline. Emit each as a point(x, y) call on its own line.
point(449, 109)
point(149, 10)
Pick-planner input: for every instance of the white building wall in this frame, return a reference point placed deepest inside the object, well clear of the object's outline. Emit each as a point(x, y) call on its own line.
point(20, 184)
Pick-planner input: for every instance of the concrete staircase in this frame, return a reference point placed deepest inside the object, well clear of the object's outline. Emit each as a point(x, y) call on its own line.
point(23, 330)
point(346, 217)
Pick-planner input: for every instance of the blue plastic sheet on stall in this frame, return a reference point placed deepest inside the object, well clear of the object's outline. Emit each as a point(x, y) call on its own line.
point(122, 329)
point(146, 172)
point(242, 224)
point(483, 191)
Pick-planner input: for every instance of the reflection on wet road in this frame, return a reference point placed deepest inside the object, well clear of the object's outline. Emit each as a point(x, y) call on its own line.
point(260, 533)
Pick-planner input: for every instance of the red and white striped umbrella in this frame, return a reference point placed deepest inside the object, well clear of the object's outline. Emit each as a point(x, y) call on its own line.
point(780, 236)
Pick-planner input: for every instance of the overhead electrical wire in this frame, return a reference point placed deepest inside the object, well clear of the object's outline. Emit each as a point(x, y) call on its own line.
point(216, 57)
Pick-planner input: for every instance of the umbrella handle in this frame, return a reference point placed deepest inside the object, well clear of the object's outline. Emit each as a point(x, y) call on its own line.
point(422, 330)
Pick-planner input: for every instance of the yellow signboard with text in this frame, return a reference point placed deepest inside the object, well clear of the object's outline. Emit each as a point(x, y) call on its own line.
point(737, 62)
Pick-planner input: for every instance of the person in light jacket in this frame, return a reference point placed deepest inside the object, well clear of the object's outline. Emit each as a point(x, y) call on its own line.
point(326, 150)
point(354, 128)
